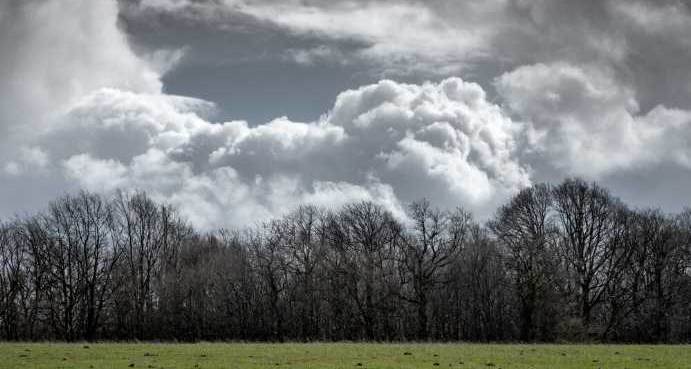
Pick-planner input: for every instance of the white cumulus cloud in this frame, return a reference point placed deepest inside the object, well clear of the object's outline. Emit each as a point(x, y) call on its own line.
point(389, 142)
point(585, 122)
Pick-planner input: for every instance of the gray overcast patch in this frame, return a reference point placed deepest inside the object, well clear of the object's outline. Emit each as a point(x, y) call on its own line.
point(243, 64)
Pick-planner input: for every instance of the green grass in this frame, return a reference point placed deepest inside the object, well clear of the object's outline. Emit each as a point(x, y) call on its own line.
point(346, 355)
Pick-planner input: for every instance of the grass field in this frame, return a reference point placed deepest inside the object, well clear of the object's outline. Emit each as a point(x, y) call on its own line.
point(251, 356)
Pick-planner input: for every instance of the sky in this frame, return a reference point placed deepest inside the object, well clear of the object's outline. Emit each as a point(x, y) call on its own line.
point(236, 111)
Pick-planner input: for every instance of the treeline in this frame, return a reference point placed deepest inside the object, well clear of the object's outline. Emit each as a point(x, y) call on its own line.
point(557, 263)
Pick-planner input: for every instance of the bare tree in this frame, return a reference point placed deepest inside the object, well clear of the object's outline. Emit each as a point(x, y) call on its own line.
point(305, 230)
point(364, 237)
point(12, 279)
point(588, 219)
point(79, 246)
point(436, 239)
point(145, 234)
point(666, 267)
point(525, 229)
point(479, 284)
point(272, 266)
point(237, 284)
point(36, 300)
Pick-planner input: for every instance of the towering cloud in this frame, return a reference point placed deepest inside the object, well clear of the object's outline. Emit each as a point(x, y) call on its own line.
point(387, 142)
point(56, 51)
point(52, 53)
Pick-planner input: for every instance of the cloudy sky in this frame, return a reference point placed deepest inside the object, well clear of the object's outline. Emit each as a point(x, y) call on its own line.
point(235, 111)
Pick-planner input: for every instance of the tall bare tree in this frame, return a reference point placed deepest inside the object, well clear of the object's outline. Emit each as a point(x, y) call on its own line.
point(526, 230)
point(435, 242)
point(145, 234)
point(13, 279)
point(305, 230)
point(364, 237)
point(588, 219)
point(79, 246)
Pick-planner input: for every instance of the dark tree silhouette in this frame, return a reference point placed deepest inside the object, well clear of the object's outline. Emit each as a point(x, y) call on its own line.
point(564, 262)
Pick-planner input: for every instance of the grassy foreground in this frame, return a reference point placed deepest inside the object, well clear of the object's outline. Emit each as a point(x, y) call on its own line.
point(347, 355)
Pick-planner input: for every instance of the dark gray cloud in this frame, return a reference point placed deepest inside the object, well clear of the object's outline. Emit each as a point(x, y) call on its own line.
point(642, 41)
point(246, 65)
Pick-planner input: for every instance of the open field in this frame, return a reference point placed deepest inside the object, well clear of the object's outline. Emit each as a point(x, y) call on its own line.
point(250, 356)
